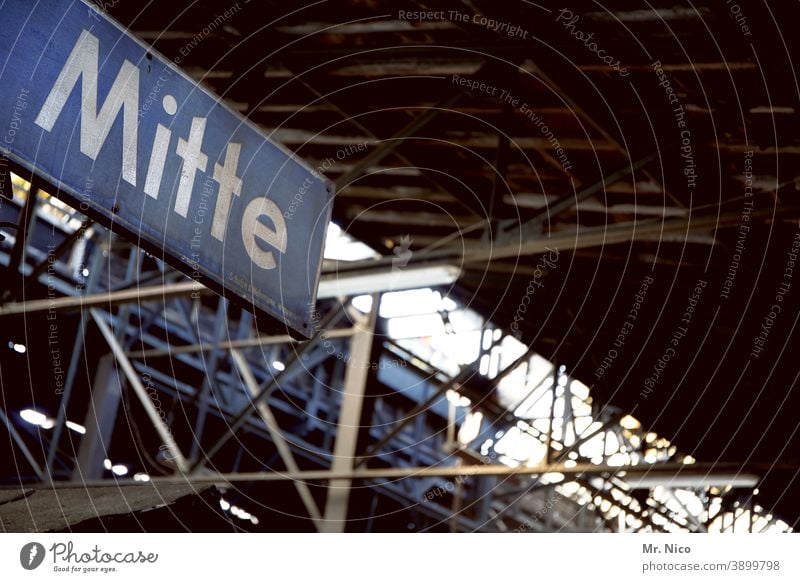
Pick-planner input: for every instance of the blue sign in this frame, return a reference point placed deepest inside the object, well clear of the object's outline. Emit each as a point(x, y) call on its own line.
point(130, 140)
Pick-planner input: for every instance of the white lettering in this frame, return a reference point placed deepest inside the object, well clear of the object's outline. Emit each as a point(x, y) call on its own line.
point(158, 156)
point(253, 229)
point(193, 159)
point(229, 184)
point(124, 94)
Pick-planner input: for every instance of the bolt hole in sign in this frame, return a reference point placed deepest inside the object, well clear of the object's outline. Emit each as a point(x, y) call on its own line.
point(126, 137)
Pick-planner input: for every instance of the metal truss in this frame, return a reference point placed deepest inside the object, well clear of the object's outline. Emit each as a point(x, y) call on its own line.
point(167, 340)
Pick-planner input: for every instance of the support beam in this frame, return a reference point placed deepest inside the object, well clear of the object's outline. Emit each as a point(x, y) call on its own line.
point(133, 378)
point(625, 232)
point(302, 137)
point(718, 472)
point(532, 227)
point(66, 395)
point(277, 437)
point(463, 376)
point(531, 67)
point(141, 295)
point(72, 371)
point(100, 419)
point(537, 201)
point(460, 378)
point(349, 423)
point(346, 283)
point(553, 397)
point(499, 183)
point(244, 414)
point(587, 237)
point(238, 344)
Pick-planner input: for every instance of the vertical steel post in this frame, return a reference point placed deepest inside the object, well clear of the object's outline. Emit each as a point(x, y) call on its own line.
point(549, 455)
point(455, 508)
point(355, 382)
point(77, 349)
point(99, 423)
point(265, 390)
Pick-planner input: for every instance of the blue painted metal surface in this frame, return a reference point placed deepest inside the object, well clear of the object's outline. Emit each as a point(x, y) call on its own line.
point(127, 138)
